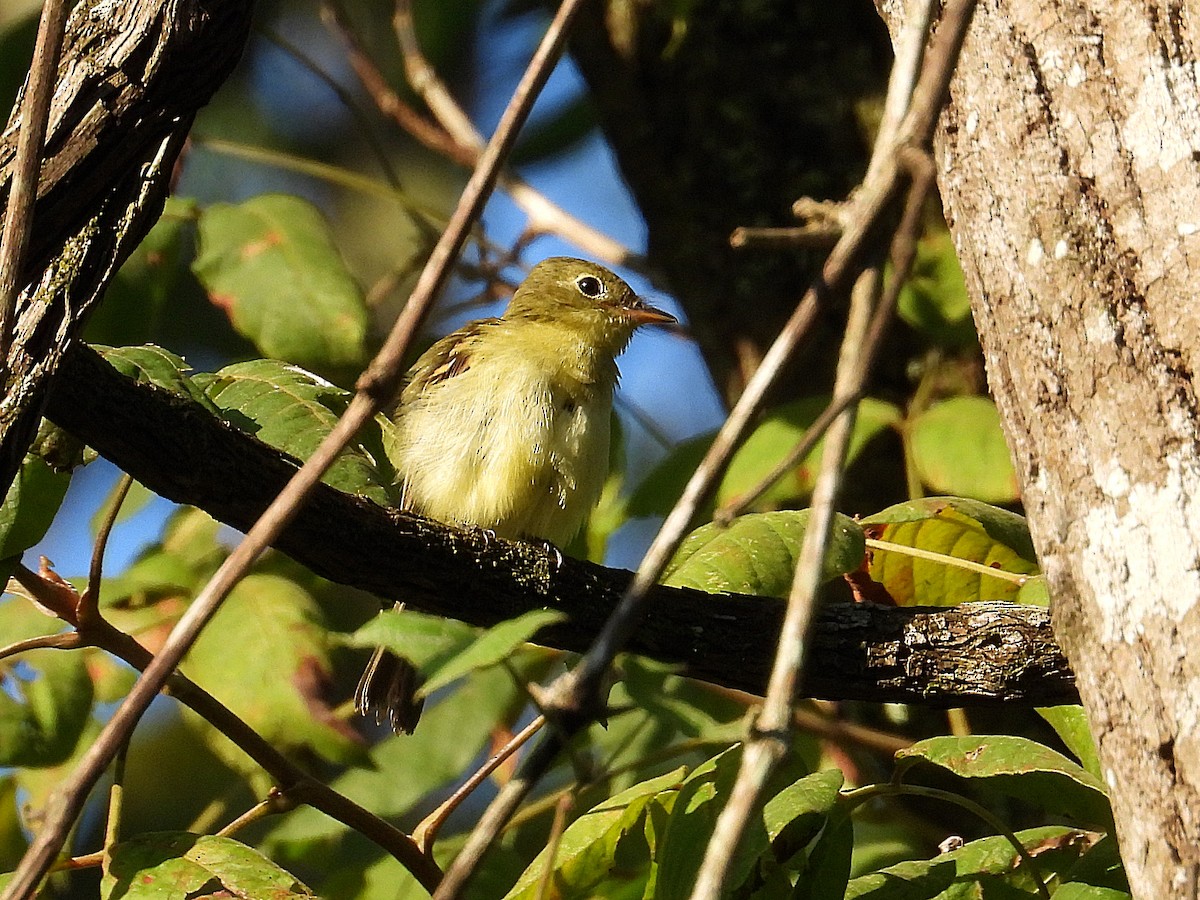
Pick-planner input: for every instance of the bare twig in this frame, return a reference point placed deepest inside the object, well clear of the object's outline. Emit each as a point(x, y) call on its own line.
point(35, 111)
point(347, 100)
point(96, 570)
point(66, 640)
point(735, 506)
point(843, 732)
point(376, 386)
point(465, 143)
point(820, 236)
point(426, 833)
point(562, 809)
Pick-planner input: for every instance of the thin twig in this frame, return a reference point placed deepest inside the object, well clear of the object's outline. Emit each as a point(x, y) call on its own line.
point(347, 100)
point(843, 732)
point(65, 640)
point(96, 570)
point(544, 215)
point(35, 113)
point(735, 506)
point(276, 803)
point(116, 802)
point(332, 174)
point(376, 386)
point(951, 561)
point(426, 832)
point(820, 237)
point(386, 100)
point(562, 809)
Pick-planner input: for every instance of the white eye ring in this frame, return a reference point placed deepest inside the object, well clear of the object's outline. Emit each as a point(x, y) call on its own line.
point(590, 286)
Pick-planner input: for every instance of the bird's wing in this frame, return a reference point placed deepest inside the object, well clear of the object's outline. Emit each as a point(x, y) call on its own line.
point(448, 357)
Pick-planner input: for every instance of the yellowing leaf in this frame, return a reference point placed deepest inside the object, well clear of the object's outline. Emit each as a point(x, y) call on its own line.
point(956, 529)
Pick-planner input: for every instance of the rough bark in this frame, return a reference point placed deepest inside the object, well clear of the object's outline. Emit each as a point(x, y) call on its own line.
point(132, 75)
point(1069, 161)
point(980, 654)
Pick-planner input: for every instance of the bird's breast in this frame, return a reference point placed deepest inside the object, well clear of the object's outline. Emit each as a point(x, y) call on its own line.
point(510, 448)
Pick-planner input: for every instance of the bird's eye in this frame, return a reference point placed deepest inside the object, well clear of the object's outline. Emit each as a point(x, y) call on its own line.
point(590, 286)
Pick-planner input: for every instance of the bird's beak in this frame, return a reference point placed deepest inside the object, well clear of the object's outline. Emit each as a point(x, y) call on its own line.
point(642, 313)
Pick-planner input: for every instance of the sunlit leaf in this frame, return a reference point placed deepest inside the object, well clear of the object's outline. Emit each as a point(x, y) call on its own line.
point(957, 529)
point(265, 656)
point(588, 846)
point(1070, 723)
point(983, 868)
point(272, 265)
point(172, 864)
point(757, 554)
point(149, 364)
point(293, 411)
point(958, 448)
point(1018, 767)
point(771, 441)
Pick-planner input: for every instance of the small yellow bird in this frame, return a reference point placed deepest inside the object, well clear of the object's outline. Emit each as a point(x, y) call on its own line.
point(504, 425)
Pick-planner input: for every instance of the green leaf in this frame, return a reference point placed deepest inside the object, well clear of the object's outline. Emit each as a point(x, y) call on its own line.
point(445, 650)
point(795, 815)
point(757, 554)
point(780, 431)
point(1071, 725)
point(46, 700)
point(137, 499)
point(264, 656)
point(272, 265)
point(958, 447)
point(453, 732)
point(956, 528)
point(585, 854)
point(989, 867)
point(687, 707)
point(1018, 767)
point(1100, 866)
point(149, 364)
point(491, 647)
point(693, 817)
point(29, 507)
point(1076, 891)
point(828, 868)
point(171, 864)
point(770, 442)
point(934, 299)
point(293, 411)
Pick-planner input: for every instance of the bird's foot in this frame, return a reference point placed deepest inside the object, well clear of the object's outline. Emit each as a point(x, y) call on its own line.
point(554, 553)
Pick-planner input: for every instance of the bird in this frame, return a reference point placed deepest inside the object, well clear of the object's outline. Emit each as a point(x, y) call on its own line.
point(504, 425)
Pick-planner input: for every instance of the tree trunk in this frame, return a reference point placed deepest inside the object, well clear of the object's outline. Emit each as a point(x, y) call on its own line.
point(1069, 164)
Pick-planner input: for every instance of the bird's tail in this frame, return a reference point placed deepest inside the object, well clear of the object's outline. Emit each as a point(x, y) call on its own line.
point(388, 689)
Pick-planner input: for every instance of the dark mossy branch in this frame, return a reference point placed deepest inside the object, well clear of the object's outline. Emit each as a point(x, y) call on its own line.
point(974, 654)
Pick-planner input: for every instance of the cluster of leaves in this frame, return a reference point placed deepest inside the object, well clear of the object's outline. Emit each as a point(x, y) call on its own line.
point(639, 795)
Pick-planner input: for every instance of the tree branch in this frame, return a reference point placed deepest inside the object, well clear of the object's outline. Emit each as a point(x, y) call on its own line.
point(974, 654)
point(131, 77)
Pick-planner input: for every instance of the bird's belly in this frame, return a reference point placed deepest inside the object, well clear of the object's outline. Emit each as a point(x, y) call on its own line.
point(530, 468)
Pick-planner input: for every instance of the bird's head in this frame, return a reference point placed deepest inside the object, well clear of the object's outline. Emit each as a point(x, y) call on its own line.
point(585, 297)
